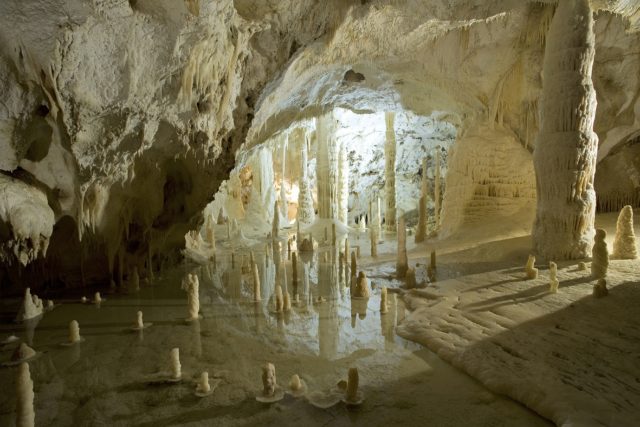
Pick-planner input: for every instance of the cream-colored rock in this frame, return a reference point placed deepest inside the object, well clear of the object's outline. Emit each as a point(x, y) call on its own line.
point(553, 277)
point(530, 271)
point(176, 367)
point(74, 332)
point(25, 414)
point(269, 382)
point(599, 255)
point(624, 242)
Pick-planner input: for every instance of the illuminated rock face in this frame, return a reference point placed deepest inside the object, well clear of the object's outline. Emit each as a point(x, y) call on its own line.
point(566, 147)
point(121, 120)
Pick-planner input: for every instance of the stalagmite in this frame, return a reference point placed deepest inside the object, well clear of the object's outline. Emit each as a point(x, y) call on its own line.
point(582, 266)
point(279, 298)
point(566, 147)
point(286, 301)
point(191, 284)
point(306, 212)
point(384, 306)
point(600, 288)
point(361, 289)
point(354, 263)
point(402, 263)
point(334, 237)
point(256, 282)
point(220, 217)
point(436, 190)
point(25, 414)
point(275, 225)
point(410, 278)
point(210, 232)
point(390, 171)
point(343, 185)
point(530, 271)
point(31, 305)
point(553, 279)
point(421, 232)
point(176, 367)
point(97, 299)
point(74, 332)
point(203, 387)
point(624, 243)
point(600, 255)
point(294, 275)
point(269, 382)
point(373, 235)
point(432, 262)
point(139, 321)
point(327, 167)
point(352, 395)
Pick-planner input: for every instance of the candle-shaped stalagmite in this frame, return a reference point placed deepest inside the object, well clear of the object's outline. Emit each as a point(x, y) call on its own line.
point(390, 171)
point(295, 384)
point(599, 255)
point(553, 279)
point(176, 367)
point(286, 301)
point(269, 379)
point(203, 386)
point(74, 332)
point(97, 298)
point(530, 271)
point(139, 321)
point(352, 385)
point(25, 414)
point(384, 306)
point(192, 286)
point(279, 298)
point(436, 189)
point(373, 234)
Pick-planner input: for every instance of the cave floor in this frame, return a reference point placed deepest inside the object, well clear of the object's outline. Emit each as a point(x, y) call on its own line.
point(111, 377)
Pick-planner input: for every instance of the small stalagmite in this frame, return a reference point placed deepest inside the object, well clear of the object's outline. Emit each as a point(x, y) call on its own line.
point(402, 263)
point(97, 299)
point(530, 271)
point(432, 262)
point(624, 243)
point(334, 235)
point(362, 289)
point(352, 385)
point(269, 382)
point(74, 332)
point(553, 277)
point(600, 288)
point(275, 225)
point(176, 367)
point(203, 386)
point(25, 414)
point(220, 217)
point(599, 255)
point(286, 301)
point(410, 278)
point(384, 305)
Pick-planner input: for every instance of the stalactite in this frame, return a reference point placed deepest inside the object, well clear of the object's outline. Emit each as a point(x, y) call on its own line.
point(566, 148)
point(390, 171)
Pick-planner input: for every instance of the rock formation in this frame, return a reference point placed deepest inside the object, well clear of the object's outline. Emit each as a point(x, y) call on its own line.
point(600, 255)
point(25, 414)
point(402, 263)
point(390, 172)
point(624, 242)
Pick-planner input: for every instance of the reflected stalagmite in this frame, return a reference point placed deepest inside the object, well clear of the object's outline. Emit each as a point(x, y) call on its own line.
point(25, 414)
point(402, 263)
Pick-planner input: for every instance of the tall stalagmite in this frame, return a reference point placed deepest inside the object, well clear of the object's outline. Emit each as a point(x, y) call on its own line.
point(436, 190)
point(327, 167)
point(390, 171)
point(402, 263)
point(421, 232)
point(343, 184)
point(306, 213)
point(566, 147)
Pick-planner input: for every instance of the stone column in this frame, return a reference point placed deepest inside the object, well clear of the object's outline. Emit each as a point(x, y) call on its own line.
point(390, 171)
point(327, 167)
point(566, 146)
point(421, 233)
